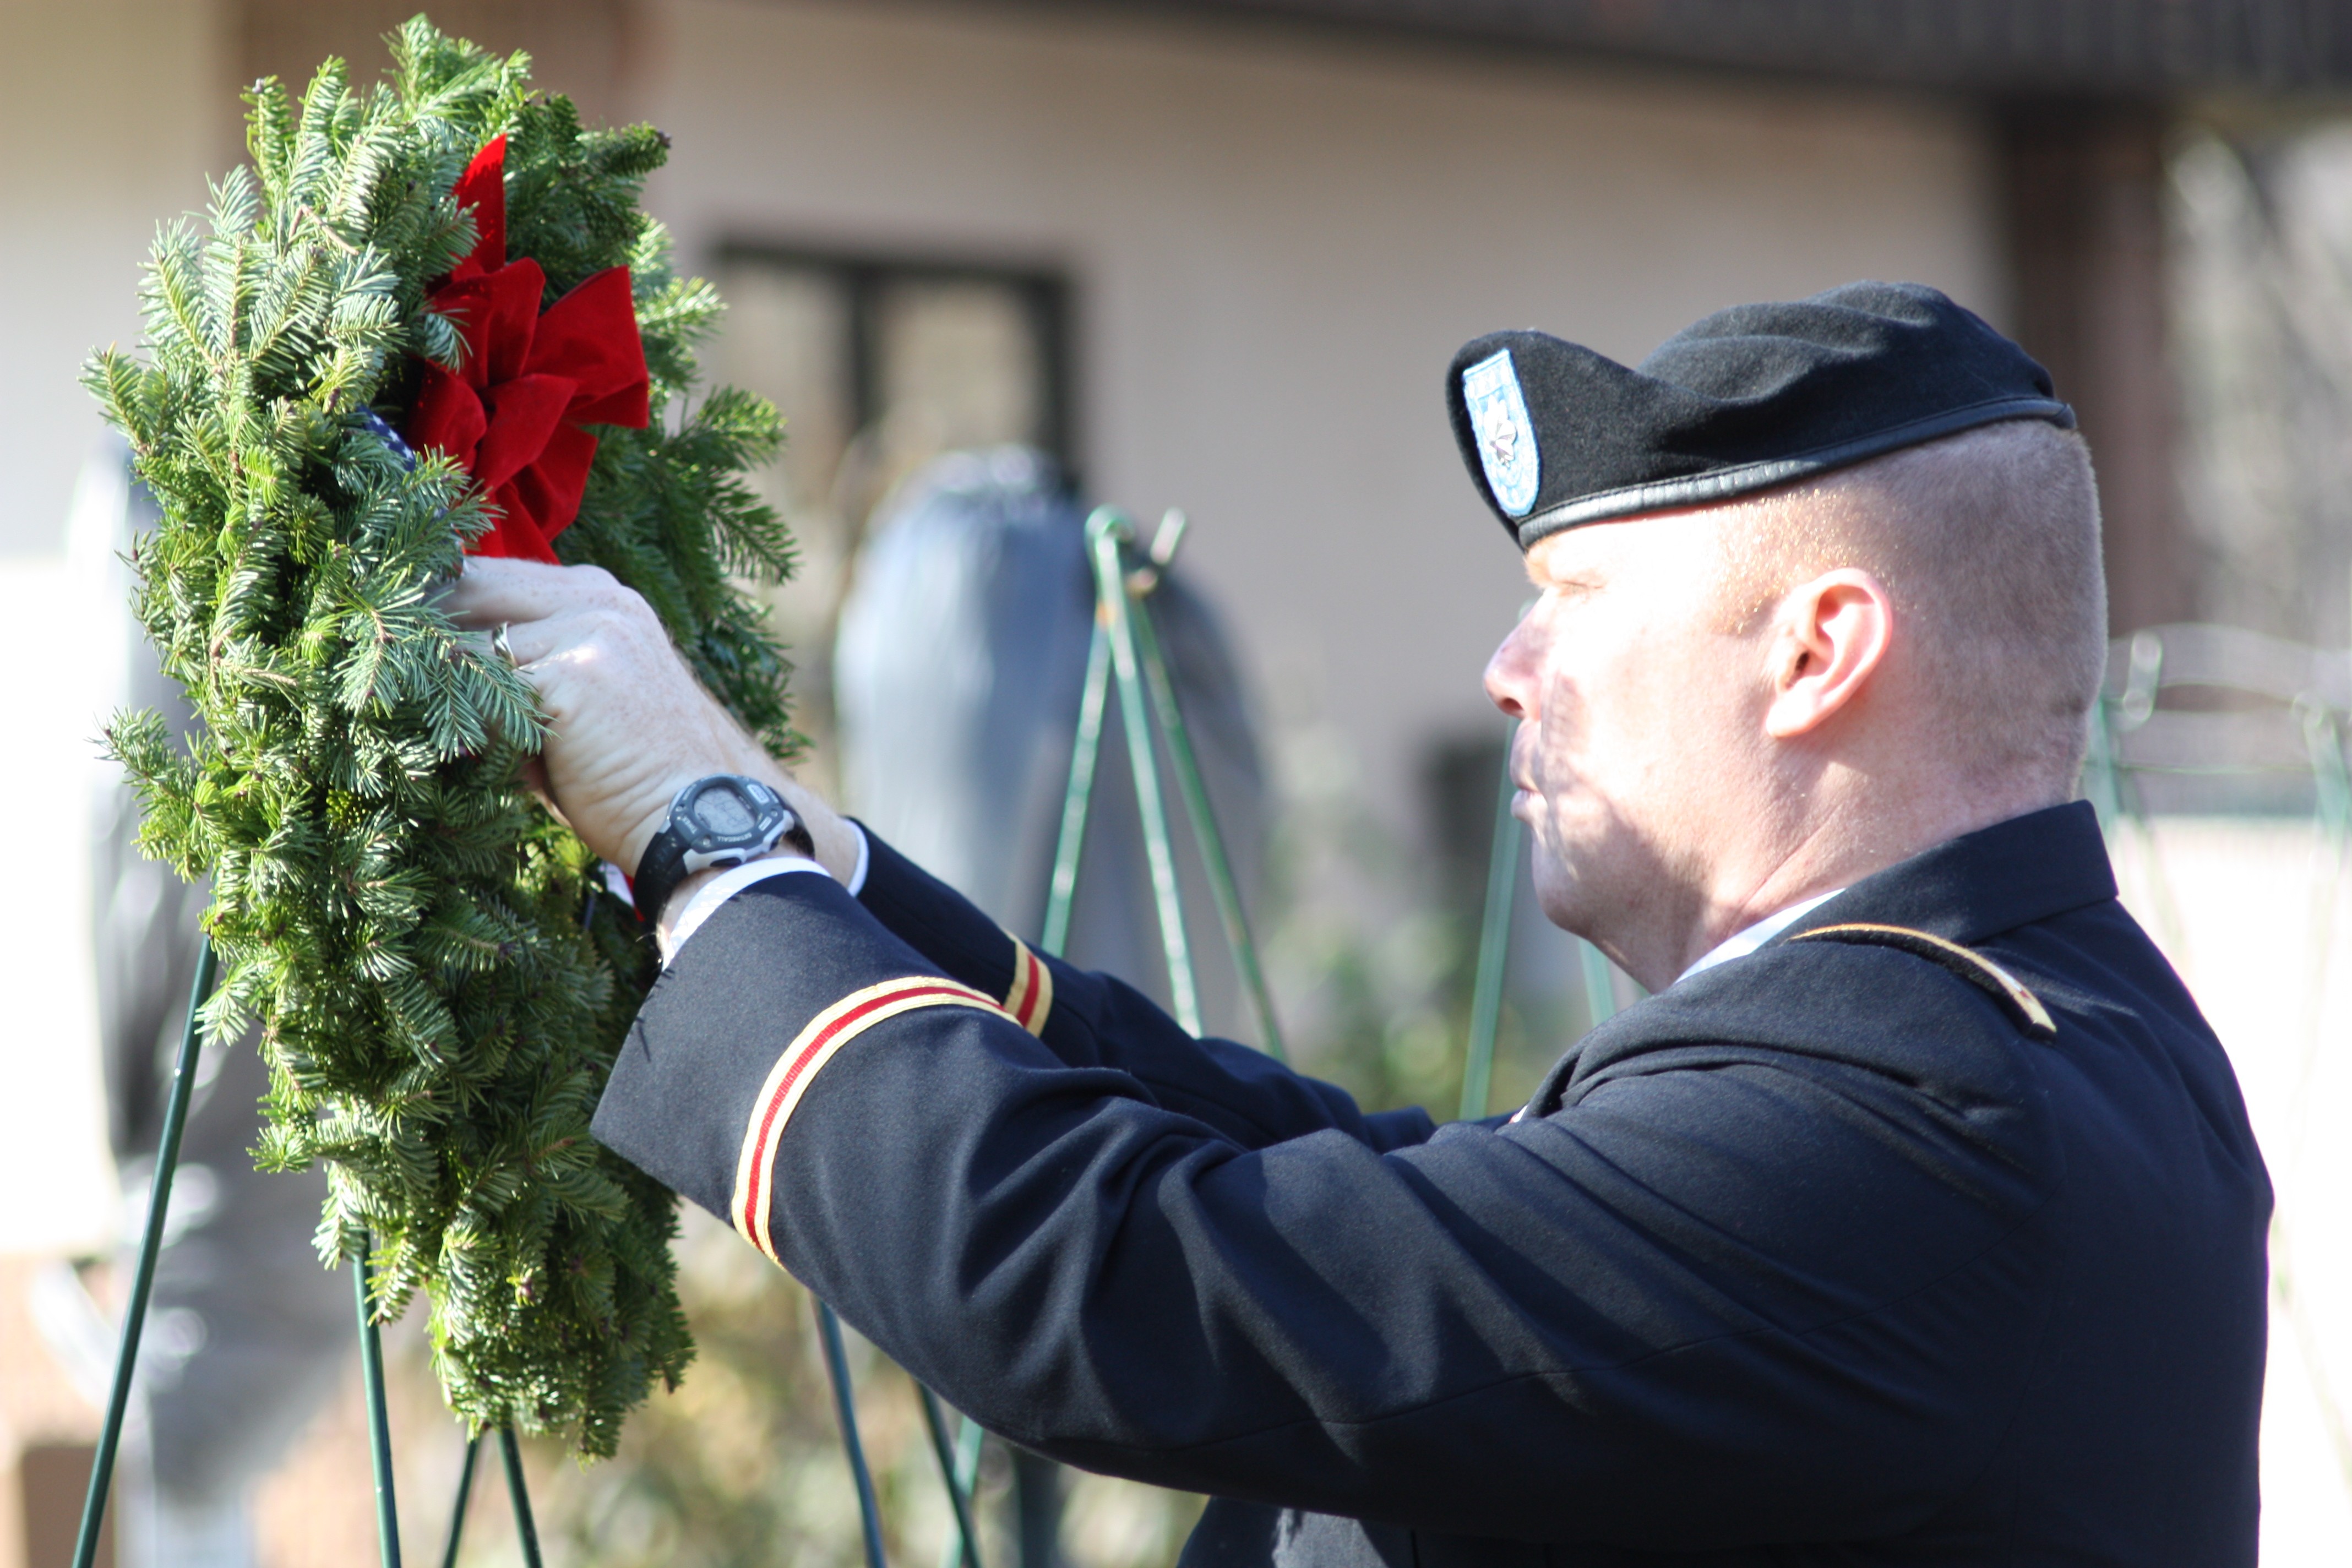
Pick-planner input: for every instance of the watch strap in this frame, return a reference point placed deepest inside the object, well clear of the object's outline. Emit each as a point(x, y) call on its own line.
point(660, 871)
point(666, 861)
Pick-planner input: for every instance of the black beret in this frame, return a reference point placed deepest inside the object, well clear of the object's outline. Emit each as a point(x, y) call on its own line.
point(1555, 435)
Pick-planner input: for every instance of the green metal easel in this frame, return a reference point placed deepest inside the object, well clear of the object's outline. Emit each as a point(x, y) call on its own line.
point(2306, 696)
point(1125, 648)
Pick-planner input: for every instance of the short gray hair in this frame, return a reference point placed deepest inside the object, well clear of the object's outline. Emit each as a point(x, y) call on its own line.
point(1988, 543)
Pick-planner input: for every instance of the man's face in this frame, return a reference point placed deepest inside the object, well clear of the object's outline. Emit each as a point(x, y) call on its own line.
point(1642, 732)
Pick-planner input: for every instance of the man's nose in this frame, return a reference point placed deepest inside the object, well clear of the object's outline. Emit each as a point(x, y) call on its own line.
point(1510, 676)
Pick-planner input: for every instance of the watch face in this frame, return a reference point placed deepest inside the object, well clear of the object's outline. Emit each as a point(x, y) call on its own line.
point(724, 813)
point(728, 812)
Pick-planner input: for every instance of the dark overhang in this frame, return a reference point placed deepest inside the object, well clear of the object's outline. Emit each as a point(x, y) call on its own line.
point(2071, 49)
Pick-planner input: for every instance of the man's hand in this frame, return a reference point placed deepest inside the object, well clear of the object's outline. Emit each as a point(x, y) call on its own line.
point(629, 726)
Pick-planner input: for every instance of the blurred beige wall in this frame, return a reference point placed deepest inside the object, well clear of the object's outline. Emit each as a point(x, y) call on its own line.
point(1278, 239)
point(112, 112)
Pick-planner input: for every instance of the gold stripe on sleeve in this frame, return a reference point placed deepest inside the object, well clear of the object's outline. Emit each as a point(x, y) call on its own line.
point(1030, 997)
point(797, 1067)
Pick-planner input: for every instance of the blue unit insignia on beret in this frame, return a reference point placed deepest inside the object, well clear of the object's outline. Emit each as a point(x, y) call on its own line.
point(1507, 438)
point(1750, 397)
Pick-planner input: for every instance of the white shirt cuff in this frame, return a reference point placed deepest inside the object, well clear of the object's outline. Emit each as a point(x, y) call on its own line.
point(856, 883)
point(704, 901)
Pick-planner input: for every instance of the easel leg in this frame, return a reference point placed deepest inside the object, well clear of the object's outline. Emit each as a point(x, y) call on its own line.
point(836, 1366)
point(464, 1494)
point(1494, 947)
point(951, 1470)
point(519, 1494)
point(1110, 587)
point(1206, 838)
point(387, 1516)
point(142, 1280)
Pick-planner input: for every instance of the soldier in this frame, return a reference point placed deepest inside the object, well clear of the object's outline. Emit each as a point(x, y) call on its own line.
point(1915, 1219)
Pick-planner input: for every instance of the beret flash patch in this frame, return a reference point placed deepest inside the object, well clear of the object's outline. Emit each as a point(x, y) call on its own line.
point(1506, 440)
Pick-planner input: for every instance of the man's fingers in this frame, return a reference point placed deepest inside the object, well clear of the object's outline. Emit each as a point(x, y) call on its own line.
point(642, 650)
point(526, 643)
point(534, 775)
point(491, 590)
point(628, 722)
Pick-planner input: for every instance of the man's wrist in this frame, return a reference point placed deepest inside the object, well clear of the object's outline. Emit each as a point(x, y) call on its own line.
point(832, 841)
point(632, 859)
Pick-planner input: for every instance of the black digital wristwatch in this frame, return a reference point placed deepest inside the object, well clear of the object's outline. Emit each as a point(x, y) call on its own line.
point(722, 820)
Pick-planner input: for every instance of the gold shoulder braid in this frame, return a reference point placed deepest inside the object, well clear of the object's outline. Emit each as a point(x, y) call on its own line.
point(1968, 964)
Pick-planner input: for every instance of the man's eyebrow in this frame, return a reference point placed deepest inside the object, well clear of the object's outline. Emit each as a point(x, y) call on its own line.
point(1582, 580)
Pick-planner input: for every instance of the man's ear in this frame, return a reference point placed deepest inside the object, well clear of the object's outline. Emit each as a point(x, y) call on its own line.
point(1828, 638)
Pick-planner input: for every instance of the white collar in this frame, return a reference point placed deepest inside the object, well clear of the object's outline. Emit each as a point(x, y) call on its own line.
point(1750, 938)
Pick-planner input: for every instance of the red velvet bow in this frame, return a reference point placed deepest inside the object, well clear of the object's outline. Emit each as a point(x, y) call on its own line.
point(512, 415)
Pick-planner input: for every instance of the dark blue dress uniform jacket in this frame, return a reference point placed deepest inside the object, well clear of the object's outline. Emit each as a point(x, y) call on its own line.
point(1815, 1258)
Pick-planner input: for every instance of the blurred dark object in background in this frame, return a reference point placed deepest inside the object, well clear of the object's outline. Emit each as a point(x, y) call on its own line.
point(962, 648)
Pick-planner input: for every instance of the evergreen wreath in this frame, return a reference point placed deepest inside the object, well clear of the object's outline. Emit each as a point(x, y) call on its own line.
point(439, 978)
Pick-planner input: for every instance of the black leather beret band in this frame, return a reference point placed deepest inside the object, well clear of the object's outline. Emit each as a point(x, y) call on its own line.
point(1555, 435)
point(1702, 489)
